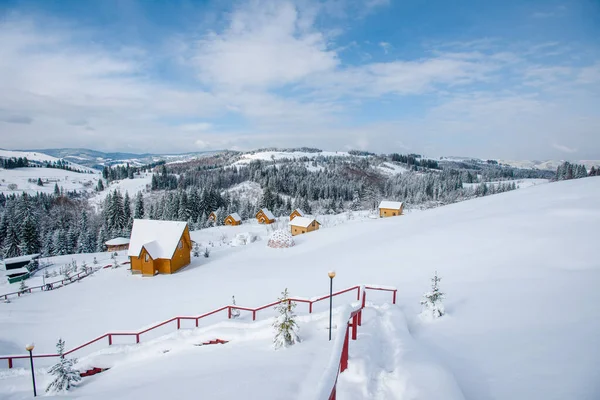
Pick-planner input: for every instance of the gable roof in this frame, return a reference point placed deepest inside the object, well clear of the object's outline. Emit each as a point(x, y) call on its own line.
point(267, 213)
point(159, 238)
point(20, 259)
point(299, 212)
point(235, 216)
point(303, 222)
point(394, 205)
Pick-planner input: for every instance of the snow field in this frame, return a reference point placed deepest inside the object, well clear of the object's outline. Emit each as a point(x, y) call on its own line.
point(68, 180)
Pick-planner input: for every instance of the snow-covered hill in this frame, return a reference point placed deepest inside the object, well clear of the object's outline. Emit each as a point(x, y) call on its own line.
point(40, 157)
point(520, 272)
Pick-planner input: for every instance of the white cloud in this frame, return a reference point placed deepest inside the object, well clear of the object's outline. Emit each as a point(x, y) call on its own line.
point(564, 148)
point(266, 44)
point(196, 127)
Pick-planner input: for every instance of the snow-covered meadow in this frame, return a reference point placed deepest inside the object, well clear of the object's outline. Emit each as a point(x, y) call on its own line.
point(519, 269)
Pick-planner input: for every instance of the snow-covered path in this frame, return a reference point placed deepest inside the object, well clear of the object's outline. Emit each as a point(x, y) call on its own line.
point(387, 363)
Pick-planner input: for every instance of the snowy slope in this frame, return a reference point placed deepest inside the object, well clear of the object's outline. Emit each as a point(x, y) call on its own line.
point(41, 157)
point(132, 186)
point(277, 155)
point(520, 270)
point(68, 180)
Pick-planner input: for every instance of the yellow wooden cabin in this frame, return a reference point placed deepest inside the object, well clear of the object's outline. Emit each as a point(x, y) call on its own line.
point(296, 213)
point(264, 216)
point(232, 219)
point(390, 208)
point(300, 225)
point(159, 247)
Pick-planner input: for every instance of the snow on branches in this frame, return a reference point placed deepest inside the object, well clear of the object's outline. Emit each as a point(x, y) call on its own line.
point(286, 328)
point(65, 376)
point(432, 306)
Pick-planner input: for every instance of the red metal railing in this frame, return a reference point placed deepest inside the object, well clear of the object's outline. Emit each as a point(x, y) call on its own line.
point(49, 286)
point(110, 335)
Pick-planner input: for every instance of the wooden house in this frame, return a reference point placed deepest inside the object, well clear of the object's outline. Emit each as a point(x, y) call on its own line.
point(159, 247)
point(19, 268)
point(264, 216)
point(116, 244)
point(296, 213)
point(390, 208)
point(300, 225)
point(232, 219)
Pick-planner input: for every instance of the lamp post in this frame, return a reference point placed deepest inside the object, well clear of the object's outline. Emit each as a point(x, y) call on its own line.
point(331, 276)
point(29, 348)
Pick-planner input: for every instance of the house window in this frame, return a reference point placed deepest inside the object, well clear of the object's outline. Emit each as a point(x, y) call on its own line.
point(180, 245)
point(147, 258)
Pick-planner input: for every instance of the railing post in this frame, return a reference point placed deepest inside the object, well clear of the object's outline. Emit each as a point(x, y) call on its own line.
point(229, 312)
point(197, 319)
point(310, 307)
point(358, 293)
point(332, 397)
point(394, 297)
point(137, 337)
point(354, 326)
point(109, 339)
point(364, 299)
point(10, 365)
point(253, 315)
point(344, 360)
point(178, 323)
point(359, 319)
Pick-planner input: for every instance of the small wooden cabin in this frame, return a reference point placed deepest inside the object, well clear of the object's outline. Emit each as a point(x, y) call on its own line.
point(300, 225)
point(390, 208)
point(296, 213)
point(264, 216)
point(159, 247)
point(232, 219)
point(117, 244)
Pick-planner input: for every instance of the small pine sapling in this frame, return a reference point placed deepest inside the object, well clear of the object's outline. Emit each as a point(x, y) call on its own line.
point(46, 274)
point(23, 287)
point(286, 328)
point(196, 251)
point(95, 261)
point(65, 376)
point(206, 252)
point(234, 311)
point(432, 301)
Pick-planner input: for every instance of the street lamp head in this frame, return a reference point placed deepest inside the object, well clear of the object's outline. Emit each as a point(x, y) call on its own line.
point(331, 274)
point(29, 347)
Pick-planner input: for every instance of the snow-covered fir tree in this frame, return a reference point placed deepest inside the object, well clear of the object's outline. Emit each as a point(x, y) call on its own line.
point(65, 375)
point(432, 301)
point(286, 328)
point(23, 286)
point(138, 211)
point(196, 250)
point(234, 311)
point(12, 243)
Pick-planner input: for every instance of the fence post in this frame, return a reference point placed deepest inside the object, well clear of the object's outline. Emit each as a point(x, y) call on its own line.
point(359, 319)
point(344, 360)
point(109, 339)
point(137, 337)
point(358, 293)
point(354, 326)
point(197, 319)
point(394, 298)
point(253, 315)
point(310, 307)
point(178, 323)
point(229, 312)
point(10, 365)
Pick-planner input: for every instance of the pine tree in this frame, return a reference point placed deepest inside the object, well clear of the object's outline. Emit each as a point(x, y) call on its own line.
point(11, 243)
point(286, 328)
point(23, 287)
point(102, 238)
point(56, 190)
point(65, 376)
point(139, 206)
point(432, 301)
point(100, 186)
point(30, 242)
point(234, 311)
point(127, 216)
point(196, 250)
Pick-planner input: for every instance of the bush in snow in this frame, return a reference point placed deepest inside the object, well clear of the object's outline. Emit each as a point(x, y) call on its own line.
point(23, 287)
point(432, 301)
point(281, 239)
point(234, 311)
point(206, 252)
point(46, 274)
point(95, 261)
point(196, 250)
point(65, 376)
point(286, 329)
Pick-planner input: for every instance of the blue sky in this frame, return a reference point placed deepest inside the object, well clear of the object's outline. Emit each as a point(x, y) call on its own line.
point(496, 79)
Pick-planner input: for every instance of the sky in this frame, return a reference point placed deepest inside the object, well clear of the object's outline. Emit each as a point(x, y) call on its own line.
point(509, 79)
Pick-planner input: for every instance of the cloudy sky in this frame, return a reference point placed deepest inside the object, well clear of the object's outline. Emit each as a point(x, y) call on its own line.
point(512, 79)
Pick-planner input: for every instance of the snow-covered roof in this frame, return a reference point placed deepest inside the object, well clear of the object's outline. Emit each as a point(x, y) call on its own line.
point(117, 241)
point(394, 205)
point(267, 213)
point(304, 222)
point(20, 259)
point(300, 212)
point(17, 271)
point(159, 238)
point(235, 216)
